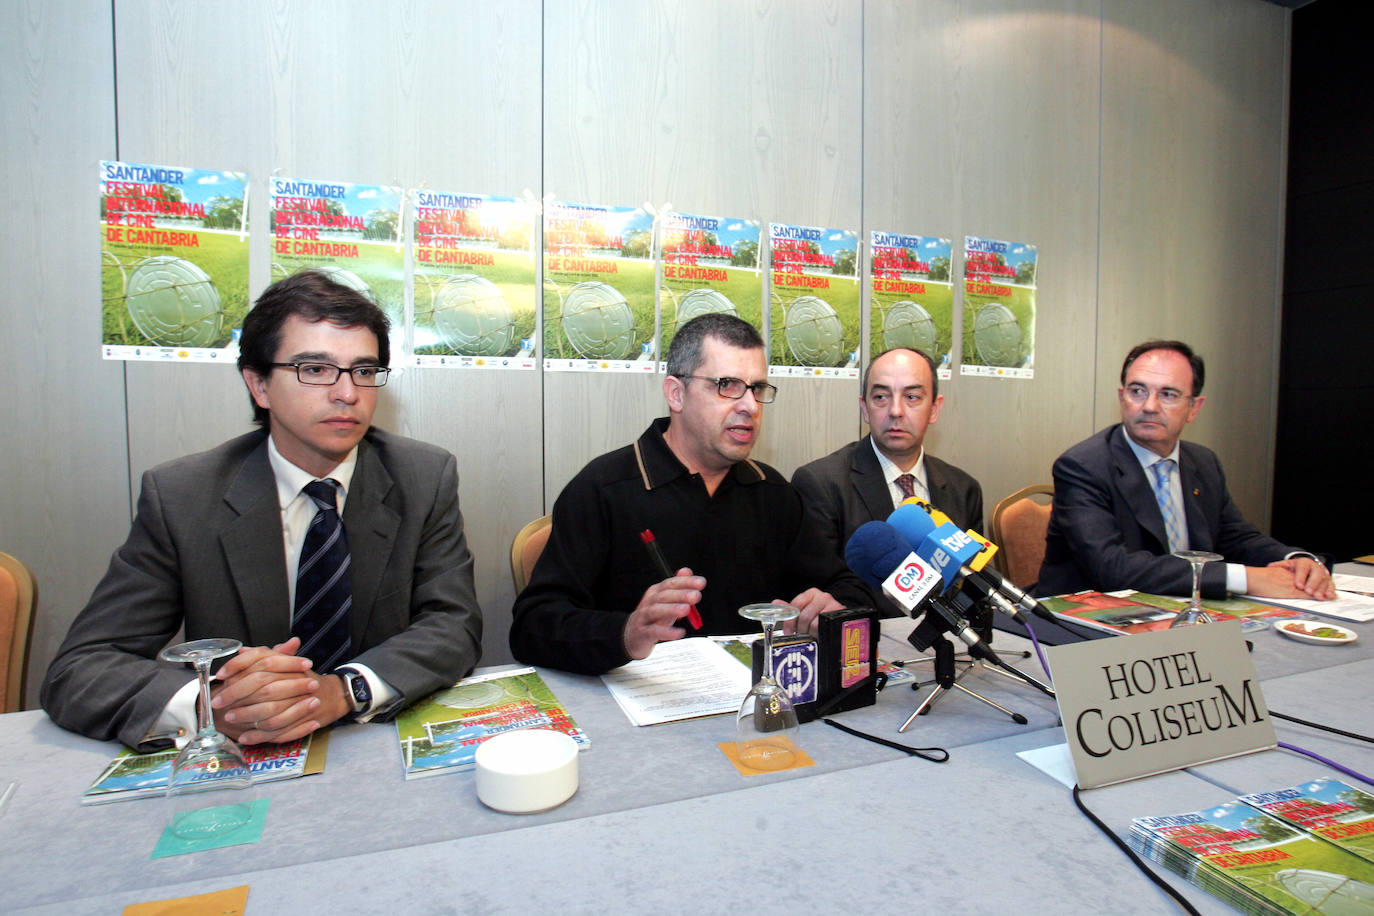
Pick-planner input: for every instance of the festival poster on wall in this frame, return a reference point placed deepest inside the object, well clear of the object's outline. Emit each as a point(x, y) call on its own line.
point(598, 288)
point(350, 232)
point(911, 303)
point(814, 302)
point(999, 308)
point(173, 261)
point(710, 264)
point(476, 270)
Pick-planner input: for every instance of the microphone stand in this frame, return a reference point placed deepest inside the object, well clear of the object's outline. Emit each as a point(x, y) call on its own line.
point(942, 617)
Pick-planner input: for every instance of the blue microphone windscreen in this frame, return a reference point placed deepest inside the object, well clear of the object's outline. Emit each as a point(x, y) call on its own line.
point(912, 522)
point(874, 550)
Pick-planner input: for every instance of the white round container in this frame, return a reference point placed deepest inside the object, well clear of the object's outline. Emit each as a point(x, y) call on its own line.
point(526, 771)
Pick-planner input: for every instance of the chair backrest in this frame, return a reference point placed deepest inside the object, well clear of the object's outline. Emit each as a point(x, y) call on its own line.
point(525, 550)
point(1019, 524)
point(18, 596)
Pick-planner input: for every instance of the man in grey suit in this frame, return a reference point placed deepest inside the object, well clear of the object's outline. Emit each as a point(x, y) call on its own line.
point(1127, 497)
point(244, 541)
point(865, 480)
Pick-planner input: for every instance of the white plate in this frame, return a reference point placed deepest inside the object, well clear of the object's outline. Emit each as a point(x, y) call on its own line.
point(1285, 627)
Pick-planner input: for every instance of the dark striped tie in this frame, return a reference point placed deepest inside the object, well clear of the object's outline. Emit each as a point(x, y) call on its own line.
point(324, 586)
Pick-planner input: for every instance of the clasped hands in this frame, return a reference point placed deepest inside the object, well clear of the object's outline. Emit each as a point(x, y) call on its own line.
point(654, 620)
point(1295, 577)
point(264, 695)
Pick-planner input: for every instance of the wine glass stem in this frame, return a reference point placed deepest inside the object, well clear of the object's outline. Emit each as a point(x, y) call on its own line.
point(768, 649)
point(204, 715)
point(1197, 585)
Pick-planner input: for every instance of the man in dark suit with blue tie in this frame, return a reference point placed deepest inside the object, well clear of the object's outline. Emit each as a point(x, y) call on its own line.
point(333, 551)
point(1129, 496)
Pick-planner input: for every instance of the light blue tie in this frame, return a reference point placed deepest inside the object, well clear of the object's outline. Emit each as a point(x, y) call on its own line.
point(1163, 470)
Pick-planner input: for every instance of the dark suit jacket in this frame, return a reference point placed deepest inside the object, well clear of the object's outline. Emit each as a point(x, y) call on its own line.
point(1106, 531)
point(206, 552)
point(846, 488)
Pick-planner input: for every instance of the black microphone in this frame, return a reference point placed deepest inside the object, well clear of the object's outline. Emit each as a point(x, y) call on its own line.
point(951, 610)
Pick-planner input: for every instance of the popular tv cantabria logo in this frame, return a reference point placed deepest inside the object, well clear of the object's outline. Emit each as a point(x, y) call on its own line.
point(911, 574)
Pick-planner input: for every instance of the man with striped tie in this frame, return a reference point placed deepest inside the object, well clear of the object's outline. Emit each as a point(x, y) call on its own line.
point(332, 550)
point(1129, 496)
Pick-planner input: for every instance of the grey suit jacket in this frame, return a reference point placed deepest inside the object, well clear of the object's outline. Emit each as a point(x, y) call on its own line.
point(206, 552)
point(846, 488)
point(1106, 531)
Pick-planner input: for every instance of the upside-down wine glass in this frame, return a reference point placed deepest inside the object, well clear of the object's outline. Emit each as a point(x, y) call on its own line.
point(1194, 613)
point(210, 761)
point(766, 727)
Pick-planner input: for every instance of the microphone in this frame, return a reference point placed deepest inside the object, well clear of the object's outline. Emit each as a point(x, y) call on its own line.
point(879, 554)
point(907, 519)
point(946, 540)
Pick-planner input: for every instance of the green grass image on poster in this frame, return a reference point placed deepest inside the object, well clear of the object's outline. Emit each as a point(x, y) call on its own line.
point(1021, 303)
point(220, 255)
point(938, 302)
point(743, 288)
point(843, 295)
point(513, 273)
point(378, 264)
point(633, 280)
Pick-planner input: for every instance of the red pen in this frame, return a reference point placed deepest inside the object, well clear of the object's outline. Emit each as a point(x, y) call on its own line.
point(647, 536)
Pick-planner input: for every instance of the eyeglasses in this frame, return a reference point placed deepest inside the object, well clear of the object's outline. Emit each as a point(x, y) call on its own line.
point(1168, 398)
point(734, 388)
point(326, 374)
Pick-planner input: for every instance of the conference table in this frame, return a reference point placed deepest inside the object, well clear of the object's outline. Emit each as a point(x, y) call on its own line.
point(663, 821)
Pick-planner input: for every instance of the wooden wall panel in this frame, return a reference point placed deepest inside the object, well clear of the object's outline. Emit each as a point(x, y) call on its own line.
point(1194, 102)
point(982, 119)
point(745, 110)
point(63, 483)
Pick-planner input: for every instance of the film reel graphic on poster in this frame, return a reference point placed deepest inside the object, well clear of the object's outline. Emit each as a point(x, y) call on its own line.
point(173, 302)
point(472, 316)
point(813, 332)
point(701, 301)
point(997, 335)
point(907, 324)
point(597, 321)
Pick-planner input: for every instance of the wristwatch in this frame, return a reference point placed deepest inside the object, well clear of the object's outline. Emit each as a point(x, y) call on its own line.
point(356, 691)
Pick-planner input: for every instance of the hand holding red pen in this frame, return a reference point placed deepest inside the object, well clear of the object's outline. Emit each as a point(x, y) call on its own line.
point(663, 604)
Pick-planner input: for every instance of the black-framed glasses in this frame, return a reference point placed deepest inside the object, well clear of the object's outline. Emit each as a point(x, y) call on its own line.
point(734, 388)
point(326, 374)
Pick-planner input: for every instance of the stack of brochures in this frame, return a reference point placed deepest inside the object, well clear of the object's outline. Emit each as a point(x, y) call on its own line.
point(441, 733)
point(1305, 849)
point(134, 775)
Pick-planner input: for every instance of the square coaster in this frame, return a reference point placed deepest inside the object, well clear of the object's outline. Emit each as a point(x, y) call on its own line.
point(229, 902)
point(172, 845)
point(799, 760)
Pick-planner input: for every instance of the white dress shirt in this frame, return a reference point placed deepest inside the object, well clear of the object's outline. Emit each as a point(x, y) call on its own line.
point(1236, 580)
point(891, 472)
